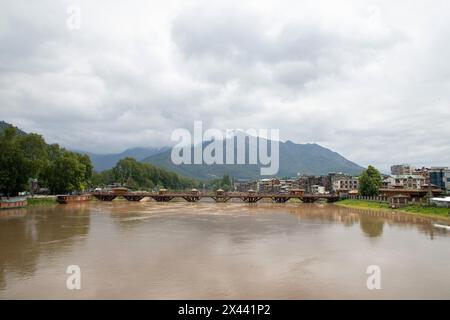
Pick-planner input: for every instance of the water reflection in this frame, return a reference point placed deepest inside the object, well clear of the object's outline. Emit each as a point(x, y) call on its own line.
point(28, 234)
point(371, 222)
point(129, 216)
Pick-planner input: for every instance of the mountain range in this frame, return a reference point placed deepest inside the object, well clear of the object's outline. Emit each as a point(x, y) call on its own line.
point(107, 161)
point(309, 159)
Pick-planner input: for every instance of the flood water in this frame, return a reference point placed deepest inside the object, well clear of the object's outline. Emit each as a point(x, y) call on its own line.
point(181, 250)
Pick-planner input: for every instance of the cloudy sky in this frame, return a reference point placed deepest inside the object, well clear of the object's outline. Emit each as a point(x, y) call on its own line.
point(368, 79)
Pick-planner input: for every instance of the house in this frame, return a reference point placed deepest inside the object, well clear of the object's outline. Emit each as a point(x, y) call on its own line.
point(316, 189)
point(306, 182)
point(242, 185)
point(268, 185)
point(402, 169)
point(346, 182)
point(409, 181)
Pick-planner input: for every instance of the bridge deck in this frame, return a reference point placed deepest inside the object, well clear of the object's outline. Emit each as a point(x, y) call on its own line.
point(219, 197)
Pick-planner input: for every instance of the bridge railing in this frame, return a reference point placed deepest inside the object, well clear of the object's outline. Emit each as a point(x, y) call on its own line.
point(232, 194)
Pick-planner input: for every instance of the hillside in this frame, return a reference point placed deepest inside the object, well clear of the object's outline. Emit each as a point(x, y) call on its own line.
point(310, 159)
point(4, 125)
point(107, 161)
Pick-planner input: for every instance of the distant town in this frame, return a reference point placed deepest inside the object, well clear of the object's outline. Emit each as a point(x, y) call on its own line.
point(403, 176)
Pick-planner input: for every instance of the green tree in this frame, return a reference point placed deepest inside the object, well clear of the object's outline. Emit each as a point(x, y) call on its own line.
point(68, 172)
point(136, 175)
point(102, 178)
point(13, 165)
point(24, 156)
point(370, 182)
point(35, 153)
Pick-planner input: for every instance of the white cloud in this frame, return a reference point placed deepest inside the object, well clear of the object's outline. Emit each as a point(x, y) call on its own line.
point(367, 79)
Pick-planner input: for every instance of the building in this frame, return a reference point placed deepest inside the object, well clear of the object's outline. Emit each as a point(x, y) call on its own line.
point(316, 189)
point(307, 182)
point(422, 172)
point(340, 181)
point(438, 176)
point(286, 186)
point(402, 169)
point(447, 181)
point(404, 181)
point(241, 185)
point(268, 185)
point(345, 183)
point(441, 202)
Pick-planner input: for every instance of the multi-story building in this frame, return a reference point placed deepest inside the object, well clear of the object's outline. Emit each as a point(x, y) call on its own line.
point(316, 189)
point(286, 185)
point(402, 169)
point(340, 181)
point(306, 182)
point(438, 175)
point(345, 183)
point(447, 181)
point(268, 185)
point(404, 181)
point(244, 185)
point(422, 172)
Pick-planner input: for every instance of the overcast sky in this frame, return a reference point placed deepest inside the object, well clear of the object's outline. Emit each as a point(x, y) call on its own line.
point(368, 79)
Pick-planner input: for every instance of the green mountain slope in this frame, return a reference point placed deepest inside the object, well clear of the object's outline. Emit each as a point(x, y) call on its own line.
point(311, 159)
point(107, 161)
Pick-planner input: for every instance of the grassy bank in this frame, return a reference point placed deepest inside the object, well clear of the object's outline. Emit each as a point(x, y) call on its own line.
point(424, 210)
point(363, 204)
point(47, 201)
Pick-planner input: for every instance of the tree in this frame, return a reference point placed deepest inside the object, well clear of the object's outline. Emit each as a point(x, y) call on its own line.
point(137, 175)
point(13, 165)
point(24, 156)
point(370, 182)
point(102, 178)
point(35, 152)
point(68, 172)
point(224, 183)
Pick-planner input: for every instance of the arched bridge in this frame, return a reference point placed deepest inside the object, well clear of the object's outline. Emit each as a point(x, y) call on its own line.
point(219, 196)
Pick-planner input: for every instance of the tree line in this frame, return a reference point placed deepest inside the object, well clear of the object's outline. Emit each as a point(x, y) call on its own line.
point(27, 156)
point(141, 176)
point(225, 183)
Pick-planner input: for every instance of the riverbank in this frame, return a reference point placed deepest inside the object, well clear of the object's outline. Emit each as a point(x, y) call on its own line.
point(42, 201)
point(423, 210)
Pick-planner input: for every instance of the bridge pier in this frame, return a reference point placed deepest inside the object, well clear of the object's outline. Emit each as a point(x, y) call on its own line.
point(280, 199)
point(251, 199)
point(105, 197)
point(221, 198)
point(161, 198)
point(191, 198)
point(309, 200)
point(132, 197)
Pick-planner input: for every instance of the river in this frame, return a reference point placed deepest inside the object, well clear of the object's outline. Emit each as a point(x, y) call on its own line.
point(179, 250)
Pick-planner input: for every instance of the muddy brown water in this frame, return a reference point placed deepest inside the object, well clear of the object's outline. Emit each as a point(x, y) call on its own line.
point(181, 250)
